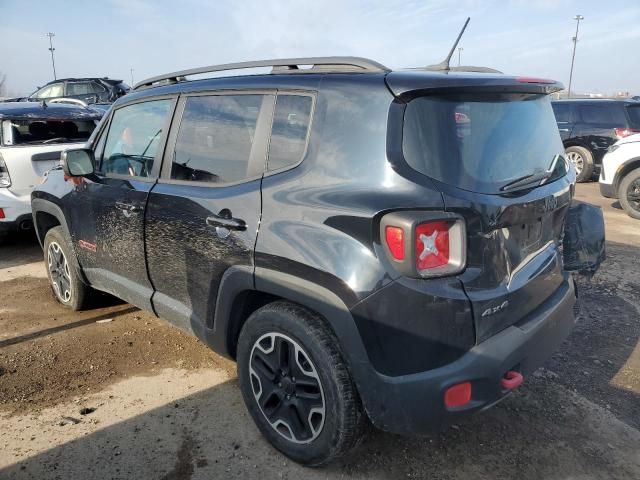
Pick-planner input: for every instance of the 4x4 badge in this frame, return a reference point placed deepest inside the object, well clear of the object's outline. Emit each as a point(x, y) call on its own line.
point(494, 310)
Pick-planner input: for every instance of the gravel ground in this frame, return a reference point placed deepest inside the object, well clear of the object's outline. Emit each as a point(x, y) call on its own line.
point(113, 392)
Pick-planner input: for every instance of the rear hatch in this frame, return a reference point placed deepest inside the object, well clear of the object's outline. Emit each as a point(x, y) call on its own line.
point(31, 147)
point(492, 147)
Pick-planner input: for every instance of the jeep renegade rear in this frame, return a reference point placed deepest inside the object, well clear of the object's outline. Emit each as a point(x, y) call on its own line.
point(367, 244)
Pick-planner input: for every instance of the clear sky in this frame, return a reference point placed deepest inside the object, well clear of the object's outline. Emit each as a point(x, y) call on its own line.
point(109, 37)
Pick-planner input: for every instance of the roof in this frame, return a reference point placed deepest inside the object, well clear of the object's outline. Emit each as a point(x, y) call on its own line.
point(74, 79)
point(289, 73)
point(53, 111)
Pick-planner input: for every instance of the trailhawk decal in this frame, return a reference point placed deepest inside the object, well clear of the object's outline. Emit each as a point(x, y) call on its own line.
point(92, 247)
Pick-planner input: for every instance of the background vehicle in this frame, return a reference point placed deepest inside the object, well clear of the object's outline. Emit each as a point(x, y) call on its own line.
point(589, 127)
point(345, 232)
point(620, 174)
point(89, 90)
point(31, 139)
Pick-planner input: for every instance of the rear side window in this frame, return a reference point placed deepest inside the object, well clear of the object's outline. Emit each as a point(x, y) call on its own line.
point(603, 114)
point(562, 112)
point(215, 138)
point(633, 111)
point(289, 131)
point(480, 143)
point(35, 131)
point(134, 138)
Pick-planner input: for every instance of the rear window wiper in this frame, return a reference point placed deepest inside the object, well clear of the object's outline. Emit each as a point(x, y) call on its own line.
point(533, 179)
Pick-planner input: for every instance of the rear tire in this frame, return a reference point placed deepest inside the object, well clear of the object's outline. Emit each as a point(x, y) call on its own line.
point(629, 193)
point(582, 159)
point(314, 418)
point(64, 280)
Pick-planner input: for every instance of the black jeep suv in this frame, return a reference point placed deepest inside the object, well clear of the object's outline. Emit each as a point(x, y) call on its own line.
point(588, 127)
point(367, 244)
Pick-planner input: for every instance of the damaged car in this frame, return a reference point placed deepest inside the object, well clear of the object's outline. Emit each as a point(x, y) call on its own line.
point(32, 135)
point(369, 245)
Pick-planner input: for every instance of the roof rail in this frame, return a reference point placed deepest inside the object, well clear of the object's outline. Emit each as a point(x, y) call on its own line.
point(284, 65)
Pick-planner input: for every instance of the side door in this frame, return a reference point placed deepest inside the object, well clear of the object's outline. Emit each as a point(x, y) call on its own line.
point(203, 214)
point(109, 224)
point(562, 112)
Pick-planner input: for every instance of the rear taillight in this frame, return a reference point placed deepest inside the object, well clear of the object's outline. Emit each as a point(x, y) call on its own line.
point(5, 179)
point(625, 132)
point(2, 213)
point(394, 237)
point(425, 244)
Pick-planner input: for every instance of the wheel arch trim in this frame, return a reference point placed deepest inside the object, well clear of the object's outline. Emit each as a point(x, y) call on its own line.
point(40, 205)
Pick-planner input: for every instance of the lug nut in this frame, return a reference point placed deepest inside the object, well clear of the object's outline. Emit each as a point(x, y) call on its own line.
point(280, 384)
point(288, 397)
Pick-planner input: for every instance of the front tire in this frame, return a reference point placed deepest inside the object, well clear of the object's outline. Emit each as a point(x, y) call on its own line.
point(582, 160)
point(629, 193)
point(297, 386)
point(64, 280)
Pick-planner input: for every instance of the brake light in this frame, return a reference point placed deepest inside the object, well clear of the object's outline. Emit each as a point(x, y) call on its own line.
point(5, 179)
point(625, 132)
point(534, 80)
point(395, 241)
point(432, 245)
point(2, 213)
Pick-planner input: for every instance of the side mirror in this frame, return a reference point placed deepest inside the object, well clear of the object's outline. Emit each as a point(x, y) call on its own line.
point(77, 163)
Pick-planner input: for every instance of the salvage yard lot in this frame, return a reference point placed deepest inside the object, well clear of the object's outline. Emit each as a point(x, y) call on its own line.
point(167, 407)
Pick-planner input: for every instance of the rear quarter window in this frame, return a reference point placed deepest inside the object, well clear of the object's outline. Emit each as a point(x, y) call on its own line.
point(289, 131)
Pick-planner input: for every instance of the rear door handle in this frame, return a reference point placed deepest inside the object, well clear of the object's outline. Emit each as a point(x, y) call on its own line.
point(224, 219)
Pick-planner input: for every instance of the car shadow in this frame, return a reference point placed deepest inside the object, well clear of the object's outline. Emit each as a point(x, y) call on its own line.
point(210, 435)
point(616, 205)
point(19, 249)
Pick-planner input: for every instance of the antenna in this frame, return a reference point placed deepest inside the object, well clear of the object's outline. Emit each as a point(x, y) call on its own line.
point(444, 65)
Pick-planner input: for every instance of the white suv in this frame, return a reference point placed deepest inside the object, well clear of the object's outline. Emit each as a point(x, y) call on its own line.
point(32, 135)
point(620, 174)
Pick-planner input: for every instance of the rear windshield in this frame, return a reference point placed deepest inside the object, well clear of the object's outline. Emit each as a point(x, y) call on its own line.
point(32, 131)
point(634, 115)
point(480, 143)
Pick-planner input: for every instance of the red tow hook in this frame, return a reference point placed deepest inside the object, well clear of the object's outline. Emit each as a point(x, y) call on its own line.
point(511, 380)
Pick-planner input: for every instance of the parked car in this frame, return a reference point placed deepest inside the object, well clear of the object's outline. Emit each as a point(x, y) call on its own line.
point(31, 139)
point(620, 174)
point(367, 244)
point(89, 90)
point(589, 127)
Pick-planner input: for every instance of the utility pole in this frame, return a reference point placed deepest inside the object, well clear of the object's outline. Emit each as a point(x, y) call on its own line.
point(51, 49)
point(459, 50)
point(131, 71)
point(577, 18)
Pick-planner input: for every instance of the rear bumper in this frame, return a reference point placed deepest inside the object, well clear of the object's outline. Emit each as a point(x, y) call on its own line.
point(414, 404)
point(14, 206)
point(23, 222)
point(607, 190)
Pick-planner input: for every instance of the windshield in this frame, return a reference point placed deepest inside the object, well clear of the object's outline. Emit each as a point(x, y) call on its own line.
point(481, 143)
point(634, 115)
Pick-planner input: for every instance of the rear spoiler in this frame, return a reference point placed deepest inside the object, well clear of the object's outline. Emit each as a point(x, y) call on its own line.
point(409, 84)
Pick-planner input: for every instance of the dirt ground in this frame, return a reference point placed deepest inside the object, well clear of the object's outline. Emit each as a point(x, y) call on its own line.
point(115, 393)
